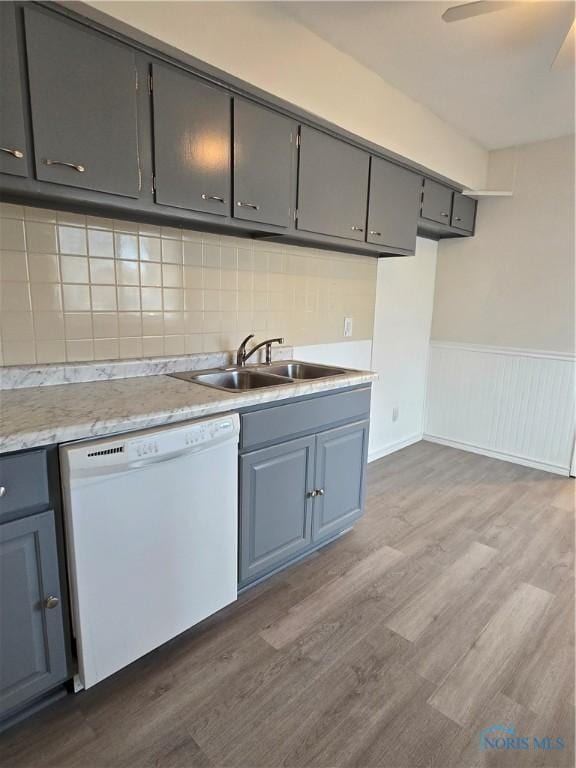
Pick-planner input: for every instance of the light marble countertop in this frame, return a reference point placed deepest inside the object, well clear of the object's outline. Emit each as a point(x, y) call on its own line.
point(45, 415)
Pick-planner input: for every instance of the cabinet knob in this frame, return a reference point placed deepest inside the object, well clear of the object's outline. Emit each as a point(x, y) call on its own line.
point(373, 232)
point(312, 494)
point(3, 491)
point(443, 213)
point(357, 229)
point(457, 218)
point(14, 152)
point(51, 602)
point(320, 492)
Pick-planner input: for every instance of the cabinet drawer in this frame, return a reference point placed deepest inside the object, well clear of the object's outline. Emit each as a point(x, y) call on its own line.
point(24, 478)
point(284, 421)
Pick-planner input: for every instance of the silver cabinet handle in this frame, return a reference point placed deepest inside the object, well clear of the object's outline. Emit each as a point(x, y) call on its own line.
point(457, 218)
point(320, 492)
point(357, 229)
point(444, 214)
point(373, 232)
point(51, 602)
point(312, 494)
point(3, 491)
point(74, 166)
point(213, 197)
point(14, 152)
point(240, 204)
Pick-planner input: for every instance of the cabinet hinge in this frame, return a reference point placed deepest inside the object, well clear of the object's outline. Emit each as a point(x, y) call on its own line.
point(136, 77)
point(154, 183)
point(298, 140)
point(295, 215)
point(150, 84)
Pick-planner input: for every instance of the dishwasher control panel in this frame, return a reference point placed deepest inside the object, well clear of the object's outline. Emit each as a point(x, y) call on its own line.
point(150, 444)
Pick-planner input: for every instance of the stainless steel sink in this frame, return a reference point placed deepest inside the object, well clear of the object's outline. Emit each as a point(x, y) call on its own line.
point(295, 370)
point(236, 380)
point(240, 379)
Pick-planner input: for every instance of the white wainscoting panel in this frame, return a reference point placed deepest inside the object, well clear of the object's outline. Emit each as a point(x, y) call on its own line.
point(513, 404)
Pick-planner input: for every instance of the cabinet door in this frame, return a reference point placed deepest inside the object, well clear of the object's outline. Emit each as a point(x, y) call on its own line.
point(13, 150)
point(264, 143)
point(191, 142)
point(332, 186)
point(275, 505)
point(436, 202)
point(83, 102)
point(463, 212)
point(341, 456)
point(393, 205)
point(32, 646)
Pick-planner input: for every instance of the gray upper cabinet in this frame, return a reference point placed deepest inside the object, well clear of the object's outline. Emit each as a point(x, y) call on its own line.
point(32, 645)
point(332, 186)
point(13, 145)
point(83, 103)
point(264, 144)
point(393, 205)
point(436, 202)
point(340, 463)
point(463, 212)
point(192, 141)
point(275, 505)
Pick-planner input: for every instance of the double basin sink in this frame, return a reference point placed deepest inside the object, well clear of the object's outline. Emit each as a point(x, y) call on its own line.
point(246, 378)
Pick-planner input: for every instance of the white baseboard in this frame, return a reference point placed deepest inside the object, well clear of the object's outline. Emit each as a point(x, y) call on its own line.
point(384, 450)
point(546, 467)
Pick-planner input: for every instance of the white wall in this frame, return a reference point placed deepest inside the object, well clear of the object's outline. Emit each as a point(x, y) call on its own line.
point(262, 45)
point(512, 285)
point(502, 378)
point(402, 321)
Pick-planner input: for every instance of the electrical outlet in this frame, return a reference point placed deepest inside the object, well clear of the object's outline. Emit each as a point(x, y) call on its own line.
point(348, 326)
point(395, 413)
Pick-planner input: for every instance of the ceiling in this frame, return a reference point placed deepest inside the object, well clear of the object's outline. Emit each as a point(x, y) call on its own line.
point(489, 76)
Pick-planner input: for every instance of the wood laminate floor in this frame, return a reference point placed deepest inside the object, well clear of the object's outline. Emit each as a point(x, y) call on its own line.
point(449, 609)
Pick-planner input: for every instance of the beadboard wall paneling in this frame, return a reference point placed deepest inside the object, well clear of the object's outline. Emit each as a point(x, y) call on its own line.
point(80, 288)
point(513, 404)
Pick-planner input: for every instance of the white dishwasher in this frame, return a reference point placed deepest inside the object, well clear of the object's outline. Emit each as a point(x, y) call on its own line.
point(151, 523)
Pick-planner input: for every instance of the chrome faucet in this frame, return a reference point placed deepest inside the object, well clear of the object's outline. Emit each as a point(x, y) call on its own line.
point(242, 355)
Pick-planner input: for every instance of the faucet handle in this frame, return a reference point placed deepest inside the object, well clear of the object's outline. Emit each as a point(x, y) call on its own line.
point(241, 352)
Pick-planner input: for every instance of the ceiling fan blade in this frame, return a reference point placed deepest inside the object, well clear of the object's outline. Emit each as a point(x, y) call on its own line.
point(566, 50)
point(477, 8)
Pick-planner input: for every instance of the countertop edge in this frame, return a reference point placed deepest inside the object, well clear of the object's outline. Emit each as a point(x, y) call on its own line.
point(94, 428)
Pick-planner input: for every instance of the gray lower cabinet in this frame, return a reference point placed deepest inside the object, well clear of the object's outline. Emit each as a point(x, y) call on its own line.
point(264, 149)
point(302, 477)
point(341, 456)
point(83, 105)
point(436, 202)
point(463, 212)
point(393, 207)
point(13, 145)
point(332, 186)
point(32, 644)
point(275, 505)
point(192, 137)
